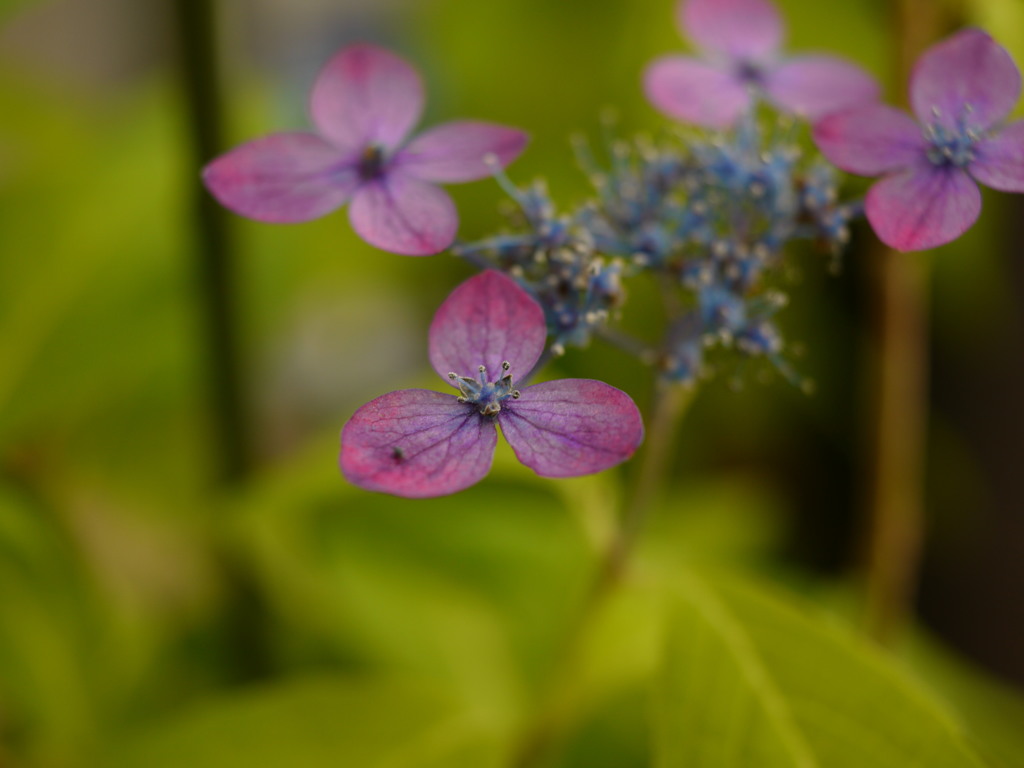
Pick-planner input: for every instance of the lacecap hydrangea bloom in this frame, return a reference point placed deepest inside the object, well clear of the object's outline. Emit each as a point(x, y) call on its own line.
point(961, 92)
point(740, 41)
point(420, 443)
point(364, 104)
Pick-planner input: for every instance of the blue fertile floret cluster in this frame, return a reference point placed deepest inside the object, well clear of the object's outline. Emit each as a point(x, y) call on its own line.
point(709, 215)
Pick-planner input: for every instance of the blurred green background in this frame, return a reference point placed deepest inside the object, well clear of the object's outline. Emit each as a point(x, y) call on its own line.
point(153, 615)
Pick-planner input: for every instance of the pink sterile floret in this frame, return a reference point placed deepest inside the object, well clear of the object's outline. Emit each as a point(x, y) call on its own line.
point(961, 91)
point(419, 443)
point(364, 104)
point(740, 42)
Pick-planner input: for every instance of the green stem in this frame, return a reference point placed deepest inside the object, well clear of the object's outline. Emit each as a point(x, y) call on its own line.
point(671, 401)
point(896, 516)
point(670, 405)
point(627, 343)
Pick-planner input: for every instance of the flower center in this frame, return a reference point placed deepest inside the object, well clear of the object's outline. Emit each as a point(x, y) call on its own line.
point(486, 395)
point(750, 73)
point(371, 164)
point(952, 146)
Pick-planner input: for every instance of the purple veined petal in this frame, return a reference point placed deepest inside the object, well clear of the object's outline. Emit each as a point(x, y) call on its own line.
point(695, 92)
point(923, 206)
point(969, 68)
point(455, 152)
point(366, 96)
point(486, 321)
point(571, 427)
point(400, 214)
point(743, 30)
point(282, 178)
point(813, 86)
point(417, 443)
point(999, 160)
point(870, 139)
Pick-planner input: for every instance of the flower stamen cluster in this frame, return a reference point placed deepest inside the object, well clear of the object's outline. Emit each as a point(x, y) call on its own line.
point(488, 395)
point(952, 145)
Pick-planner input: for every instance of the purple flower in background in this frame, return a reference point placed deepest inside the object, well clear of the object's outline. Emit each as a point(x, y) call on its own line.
point(364, 104)
point(420, 443)
point(961, 90)
point(740, 40)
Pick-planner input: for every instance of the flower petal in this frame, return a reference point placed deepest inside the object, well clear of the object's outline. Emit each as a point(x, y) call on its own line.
point(870, 139)
point(285, 177)
point(999, 160)
point(923, 206)
point(404, 215)
point(485, 321)
point(571, 427)
point(416, 443)
point(366, 95)
point(695, 92)
point(741, 29)
point(455, 152)
point(813, 86)
point(969, 68)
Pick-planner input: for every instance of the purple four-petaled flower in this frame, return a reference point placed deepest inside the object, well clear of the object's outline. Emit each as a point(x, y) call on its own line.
point(419, 443)
point(740, 40)
point(364, 104)
point(961, 90)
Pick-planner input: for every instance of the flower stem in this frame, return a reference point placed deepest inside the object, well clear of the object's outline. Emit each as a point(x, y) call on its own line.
point(245, 623)
point(670, 405)
point(896, 516)
point(671, 401)
point(213, 247)
point(627, 343)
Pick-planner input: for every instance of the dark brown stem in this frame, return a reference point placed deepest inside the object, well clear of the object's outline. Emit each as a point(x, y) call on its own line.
point(213, 245)
point(900, 289)
point(245, 619)
point(896, 516)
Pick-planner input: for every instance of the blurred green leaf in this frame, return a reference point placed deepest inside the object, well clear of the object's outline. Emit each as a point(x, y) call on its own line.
point(749, 680)
point(993, 713)
point(312, 723)
point(473, 592)
point(50, 694)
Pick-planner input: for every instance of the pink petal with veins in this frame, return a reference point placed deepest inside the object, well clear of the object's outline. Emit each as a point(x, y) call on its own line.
point(571, 427)
point(485, 321)
point(404, 215)
point(923, 206)
point(282, 178)
point(695, 92)
point(870, 140)
point(999, 160)
point(366, 96)
point(417, 443)
point(455, 152)
point(742, 30)
point(813, 86)
point(969, 68)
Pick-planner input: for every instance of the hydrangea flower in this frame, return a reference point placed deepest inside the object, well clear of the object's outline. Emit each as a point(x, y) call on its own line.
point(364, 104)
point(961, 91)
point(419, 443)
point(740, 40)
